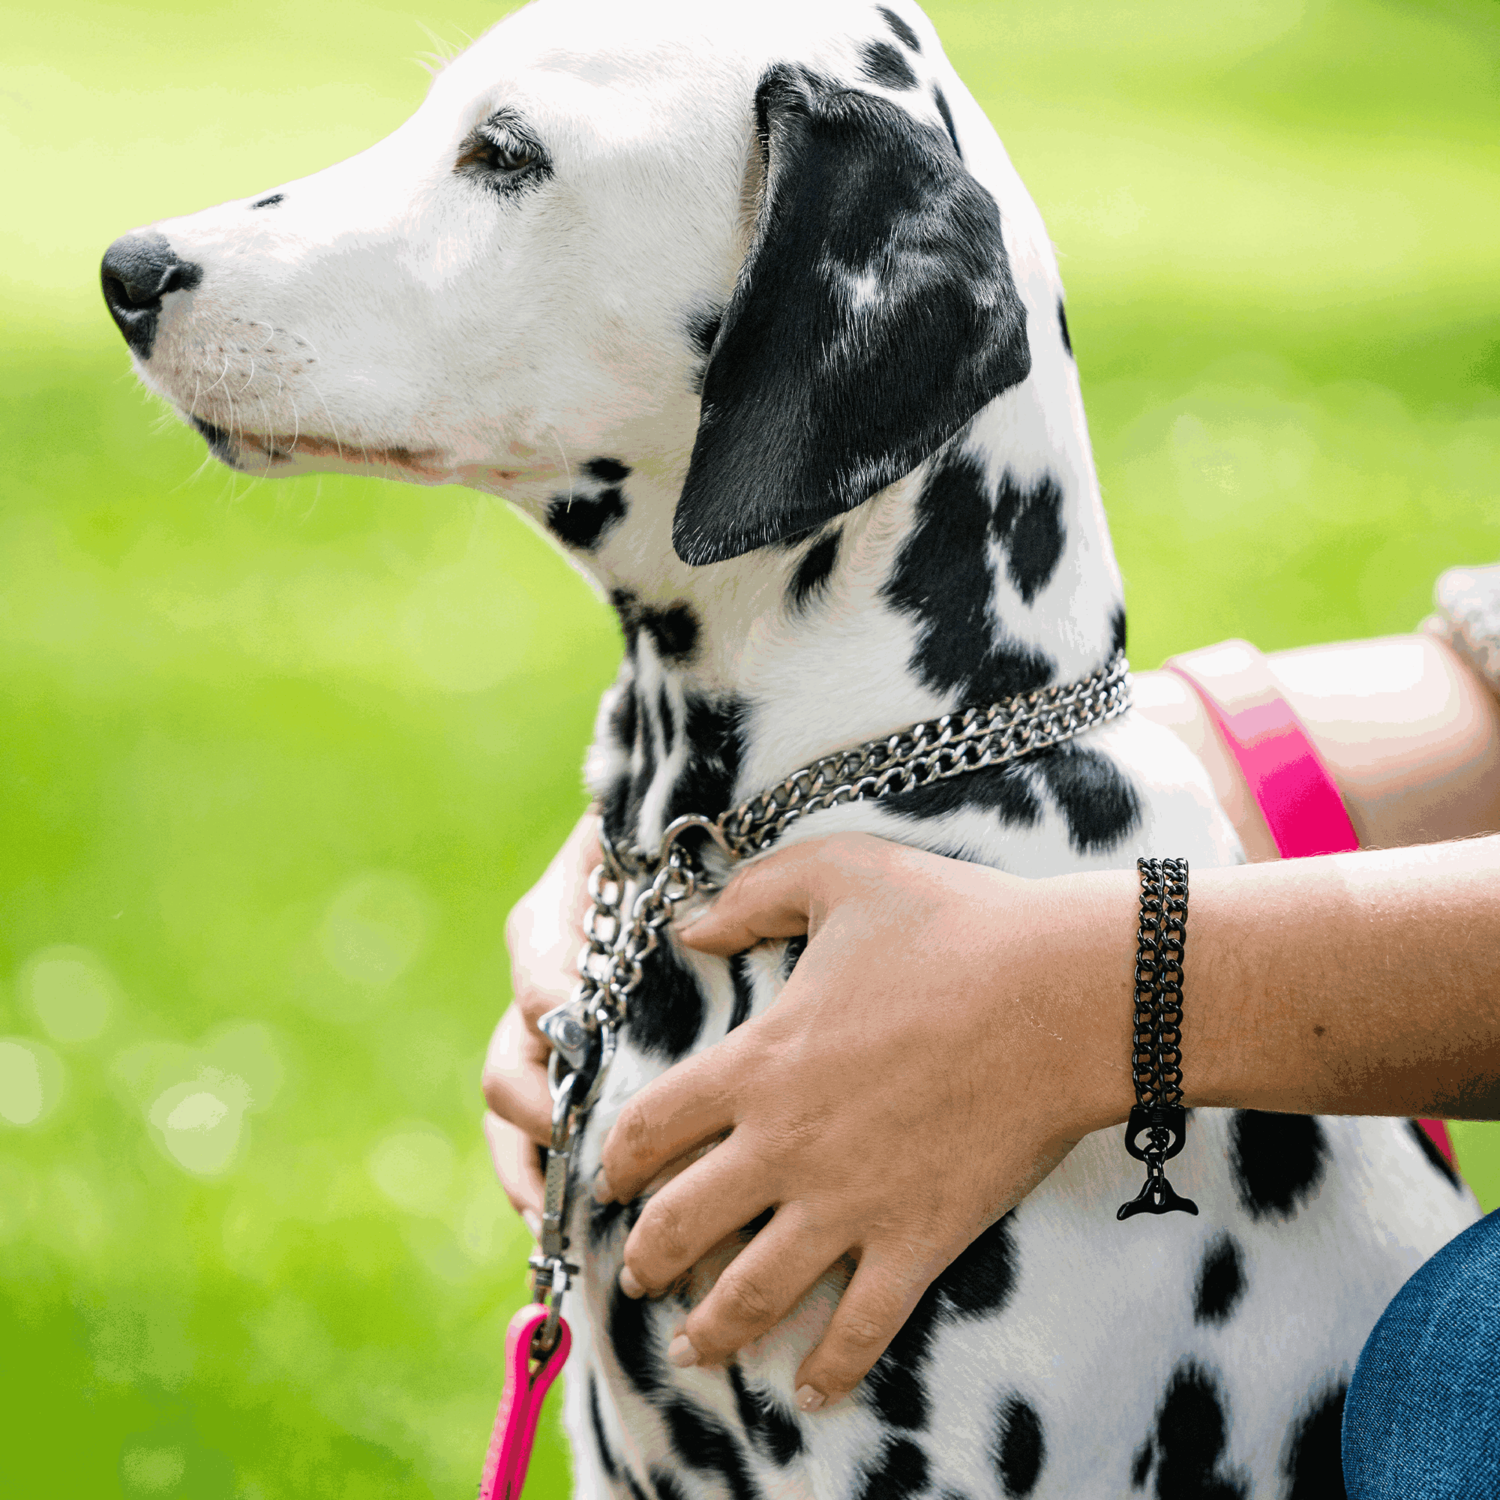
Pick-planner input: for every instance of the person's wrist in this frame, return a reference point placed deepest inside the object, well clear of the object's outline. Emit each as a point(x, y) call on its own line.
point(1084, 959)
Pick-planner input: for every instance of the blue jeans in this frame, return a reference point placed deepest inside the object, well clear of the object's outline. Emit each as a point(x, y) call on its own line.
point(1422, 1418)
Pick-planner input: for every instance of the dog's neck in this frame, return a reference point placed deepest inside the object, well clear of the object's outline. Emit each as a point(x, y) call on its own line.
point(983, 573)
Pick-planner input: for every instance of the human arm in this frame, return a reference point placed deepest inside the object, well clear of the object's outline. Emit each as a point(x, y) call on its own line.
point(1408, 730)
point(544, 934)
point(855, 1103)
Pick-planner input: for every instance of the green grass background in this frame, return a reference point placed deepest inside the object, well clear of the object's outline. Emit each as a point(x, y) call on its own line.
point(277, 758)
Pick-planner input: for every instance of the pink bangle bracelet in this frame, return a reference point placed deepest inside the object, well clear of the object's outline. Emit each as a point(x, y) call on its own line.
point(1286, 776)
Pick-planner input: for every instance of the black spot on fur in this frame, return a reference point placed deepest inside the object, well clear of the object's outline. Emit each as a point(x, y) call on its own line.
point(666, 716)
point(1278, 1160)
point(1436, 1159)
point(1029, 524)
point(1062, 324)
point(1018, 1449)
point(940, 99)
point(671, 628)
point(899, 1472)
point(627, 606)
point(1117, 627)
point(674, 630)
point(633, 1485)
point(978, 1283)
point(667, 1488)
point(602, 1219)
point(669, 1015)
point(1003, 790)
point(897, 1386)
point(634, 734)
point(899, 29)
point(943, 578)
point(712, 728)
point(795, 948)
point(583, 521)
point(1192, 1432)
point(1313, 1463)
point(982, 1279)
point(633, 1338)
point(1221, 1282)
point(744, 993)
point(814, 400)
point(813, 571)
point(774, 1431)
point(882, 64)
point(607, 470)
point(1100, 804)
point(596, 1424)
point(707, 1445)
point(269, 201)
point(1140, 1466)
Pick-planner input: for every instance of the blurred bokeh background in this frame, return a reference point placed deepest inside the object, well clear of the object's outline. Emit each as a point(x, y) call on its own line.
point(276, 758)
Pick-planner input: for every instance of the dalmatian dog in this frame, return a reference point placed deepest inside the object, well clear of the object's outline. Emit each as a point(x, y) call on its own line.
point(746, 305)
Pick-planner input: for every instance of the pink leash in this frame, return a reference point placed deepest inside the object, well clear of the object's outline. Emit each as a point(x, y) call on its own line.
point(1291, 785)
point(527, 1381)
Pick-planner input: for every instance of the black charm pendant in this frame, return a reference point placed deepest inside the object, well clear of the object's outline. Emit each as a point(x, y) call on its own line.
point(1164, 1127)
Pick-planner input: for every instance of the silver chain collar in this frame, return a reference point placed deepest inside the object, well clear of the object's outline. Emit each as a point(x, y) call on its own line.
point(585, 1031)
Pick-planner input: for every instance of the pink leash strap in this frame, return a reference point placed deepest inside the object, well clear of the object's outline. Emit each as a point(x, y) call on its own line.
point(509, 1453)
point(1291, 785)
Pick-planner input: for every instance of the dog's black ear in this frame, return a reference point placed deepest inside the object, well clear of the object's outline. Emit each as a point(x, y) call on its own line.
point(874, 315)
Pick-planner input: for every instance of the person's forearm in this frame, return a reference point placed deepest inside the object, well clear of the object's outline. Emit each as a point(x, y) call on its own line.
point(1347, 984)
point(1409, 733)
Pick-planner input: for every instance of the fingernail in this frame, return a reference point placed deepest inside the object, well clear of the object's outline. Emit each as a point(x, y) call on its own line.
point(629, 1285)
point(808, 1399)
point(533, 1223)
point(603, 1192)
point(681, 1353)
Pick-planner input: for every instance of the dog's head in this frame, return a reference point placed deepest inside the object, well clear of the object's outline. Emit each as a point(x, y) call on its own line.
point(744, 249)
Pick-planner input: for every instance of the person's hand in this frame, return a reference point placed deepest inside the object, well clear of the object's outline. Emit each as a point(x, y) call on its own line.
point(544, 934)
point(937, 1051)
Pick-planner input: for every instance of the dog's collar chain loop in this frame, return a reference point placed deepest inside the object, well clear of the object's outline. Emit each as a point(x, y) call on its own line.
point(584, 1032)
point(933, 750)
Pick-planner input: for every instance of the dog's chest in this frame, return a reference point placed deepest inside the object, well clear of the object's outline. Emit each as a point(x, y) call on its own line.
point(1064, 1354)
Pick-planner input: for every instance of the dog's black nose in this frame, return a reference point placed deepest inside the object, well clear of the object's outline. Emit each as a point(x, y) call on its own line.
point(138, 271)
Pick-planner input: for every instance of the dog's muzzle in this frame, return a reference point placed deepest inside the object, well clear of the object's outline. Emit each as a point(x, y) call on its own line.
point(137, 272)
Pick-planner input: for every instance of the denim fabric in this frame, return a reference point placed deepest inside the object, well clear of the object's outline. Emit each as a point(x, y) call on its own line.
point(1422, 1419)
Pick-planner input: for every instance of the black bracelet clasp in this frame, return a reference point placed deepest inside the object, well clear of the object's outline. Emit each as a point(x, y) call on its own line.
point(1164, 1128)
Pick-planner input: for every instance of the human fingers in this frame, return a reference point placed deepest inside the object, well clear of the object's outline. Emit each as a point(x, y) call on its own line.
point(870, 1314)
point(514, 1156)
point(514, 1079)
point(544, 930)
point(711, 1199)
point(760, 1286)
point(690, 1103)
point(772, 898)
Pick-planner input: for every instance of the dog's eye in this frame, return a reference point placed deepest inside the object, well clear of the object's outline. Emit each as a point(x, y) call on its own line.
point(507, 158)
point(497, 152)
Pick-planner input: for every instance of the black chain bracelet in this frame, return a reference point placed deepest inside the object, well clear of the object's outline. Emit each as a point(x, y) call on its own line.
point(1156, 1060)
